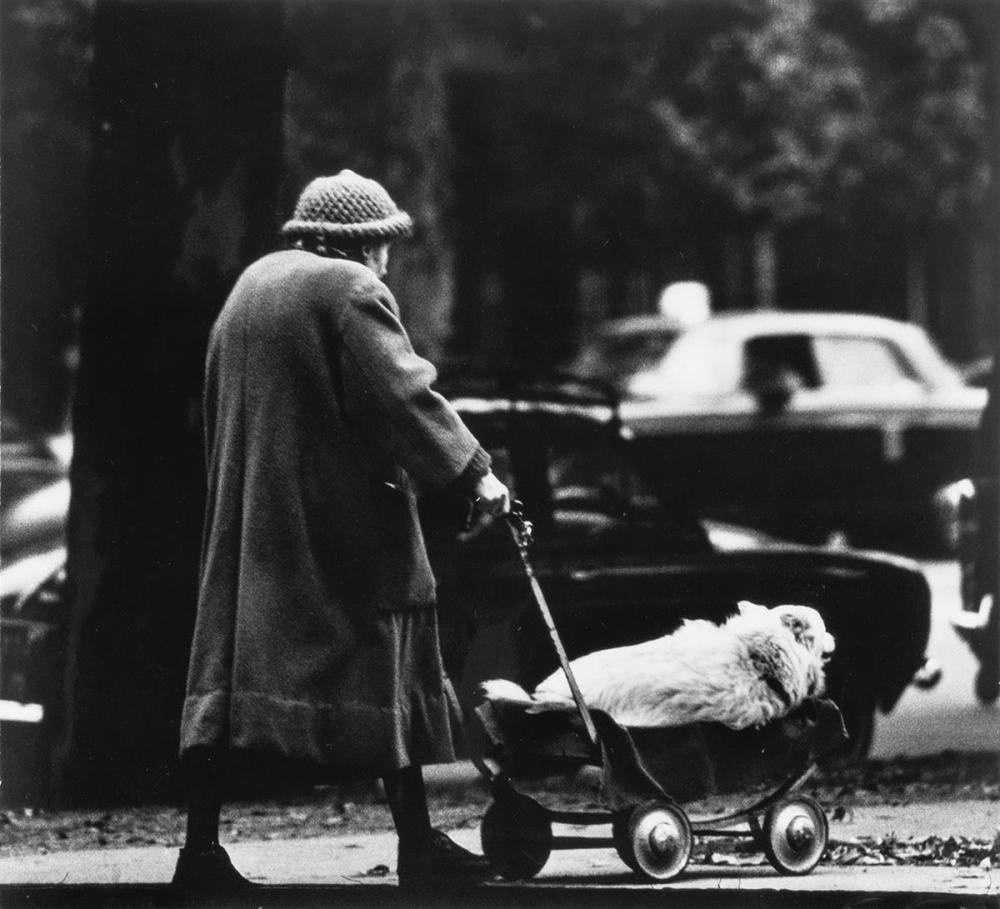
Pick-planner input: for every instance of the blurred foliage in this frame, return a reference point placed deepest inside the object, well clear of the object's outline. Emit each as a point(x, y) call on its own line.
point(563, 161)
point(47, 53)
point(800, 108)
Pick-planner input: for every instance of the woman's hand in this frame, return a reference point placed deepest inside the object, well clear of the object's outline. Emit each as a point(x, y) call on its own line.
point(491, 496)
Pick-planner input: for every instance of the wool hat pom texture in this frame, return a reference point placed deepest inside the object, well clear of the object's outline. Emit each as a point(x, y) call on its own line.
point(347, 206)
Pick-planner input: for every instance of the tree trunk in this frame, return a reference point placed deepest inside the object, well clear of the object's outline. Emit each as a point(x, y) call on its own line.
point(369, 93)
point(733, 271)
point(916, 284)
point(765, 267)
point(187, 130)
point(420, 165)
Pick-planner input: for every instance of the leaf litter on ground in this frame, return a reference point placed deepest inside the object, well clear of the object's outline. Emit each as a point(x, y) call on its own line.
point(332, 810)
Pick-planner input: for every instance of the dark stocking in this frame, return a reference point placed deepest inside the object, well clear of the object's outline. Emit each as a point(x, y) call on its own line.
point(404, 790)
point(204, 769)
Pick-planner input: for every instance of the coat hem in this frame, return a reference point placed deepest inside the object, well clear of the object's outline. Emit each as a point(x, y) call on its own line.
point(357, 736)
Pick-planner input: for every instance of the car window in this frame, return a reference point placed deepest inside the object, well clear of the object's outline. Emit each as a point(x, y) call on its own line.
point(577, 478)
point(700, 363)
point(788, 359)
point(596, 479)
point(858, 361)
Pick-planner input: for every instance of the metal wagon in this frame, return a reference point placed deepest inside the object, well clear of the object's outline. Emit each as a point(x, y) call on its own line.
point(646, 776)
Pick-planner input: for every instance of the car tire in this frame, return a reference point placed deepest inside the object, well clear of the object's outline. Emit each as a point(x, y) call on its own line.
point(987, 685)
point(988, 676)
point(858, 711)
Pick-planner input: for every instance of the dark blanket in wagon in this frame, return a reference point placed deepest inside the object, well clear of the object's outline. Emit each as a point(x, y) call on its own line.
point(681, 763)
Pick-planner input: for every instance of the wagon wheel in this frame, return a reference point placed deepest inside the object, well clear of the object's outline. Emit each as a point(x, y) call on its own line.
point(795, 834)
point(620, 834)
point(656, 840)
point(516, 836)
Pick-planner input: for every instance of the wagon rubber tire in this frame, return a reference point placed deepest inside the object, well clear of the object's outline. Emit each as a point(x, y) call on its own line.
point(620, 835)
point(516, 836)
point(794, 834)
point(656, 840)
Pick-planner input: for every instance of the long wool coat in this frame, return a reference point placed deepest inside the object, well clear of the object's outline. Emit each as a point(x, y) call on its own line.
point(316, 636)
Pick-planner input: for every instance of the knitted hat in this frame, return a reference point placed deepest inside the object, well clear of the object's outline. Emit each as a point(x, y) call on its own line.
point(347, 206)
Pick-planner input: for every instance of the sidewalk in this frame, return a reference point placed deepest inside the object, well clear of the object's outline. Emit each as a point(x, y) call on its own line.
point(359, 870)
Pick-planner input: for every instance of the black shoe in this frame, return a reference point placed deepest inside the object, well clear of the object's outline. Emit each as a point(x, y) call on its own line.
point(209, 872)
point(439, 858)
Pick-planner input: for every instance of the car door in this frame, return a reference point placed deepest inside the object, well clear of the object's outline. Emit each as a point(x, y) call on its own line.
point(847, 431)
point(807, 432)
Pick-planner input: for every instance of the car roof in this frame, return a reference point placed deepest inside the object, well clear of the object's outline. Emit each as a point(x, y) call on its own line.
point(638, 325)
point(784, 322)
point(767, 322)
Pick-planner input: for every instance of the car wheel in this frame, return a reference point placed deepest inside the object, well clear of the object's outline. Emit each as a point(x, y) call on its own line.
point(988, 677)
point(988, 681)
point(858, 711)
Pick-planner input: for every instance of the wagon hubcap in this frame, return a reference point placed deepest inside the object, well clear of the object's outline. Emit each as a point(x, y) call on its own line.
point(664, 838)
point(801, 833)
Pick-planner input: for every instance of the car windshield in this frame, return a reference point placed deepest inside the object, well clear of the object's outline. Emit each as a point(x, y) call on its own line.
point(589, 486)
point(615, 358)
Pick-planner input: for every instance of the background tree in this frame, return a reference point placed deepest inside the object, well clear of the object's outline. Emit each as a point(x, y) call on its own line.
point(924, 154)
point(838, 111)
point(187, 106)
point(368, 92)
point(46, 50)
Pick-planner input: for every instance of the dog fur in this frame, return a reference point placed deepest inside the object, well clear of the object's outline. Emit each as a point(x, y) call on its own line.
point(754, 668)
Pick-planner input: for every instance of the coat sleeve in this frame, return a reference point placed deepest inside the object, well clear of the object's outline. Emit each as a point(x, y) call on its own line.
point(389, 400)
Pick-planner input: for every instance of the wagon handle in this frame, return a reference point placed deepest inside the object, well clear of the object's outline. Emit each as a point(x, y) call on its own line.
point(521, 530)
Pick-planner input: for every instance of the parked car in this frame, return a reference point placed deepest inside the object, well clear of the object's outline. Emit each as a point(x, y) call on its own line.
point(977, 620)
point(802, 424)
point(35, 499)
point(619, 564)
point(616, 563)
point(977, 372)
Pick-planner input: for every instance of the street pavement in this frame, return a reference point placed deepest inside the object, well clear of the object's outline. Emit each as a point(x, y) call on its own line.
point(358, 870)
point(349, 870)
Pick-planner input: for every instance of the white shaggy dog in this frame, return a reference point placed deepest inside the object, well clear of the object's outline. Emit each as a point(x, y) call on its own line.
point(754, 668)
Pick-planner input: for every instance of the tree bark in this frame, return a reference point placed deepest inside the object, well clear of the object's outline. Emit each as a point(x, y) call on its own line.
point(43, 229)
point(765, 271)
point(420, 164)
point(369, 92)
point(916, 284)
point(187, 134)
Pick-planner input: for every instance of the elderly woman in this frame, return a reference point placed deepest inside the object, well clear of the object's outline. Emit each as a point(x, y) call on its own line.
point(316, 636)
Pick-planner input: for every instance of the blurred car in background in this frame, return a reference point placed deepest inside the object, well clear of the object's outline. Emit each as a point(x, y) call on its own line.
point(977, 372)
point(34, 501)
point(803, 424)
point(619, 565)
point(977, 620)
